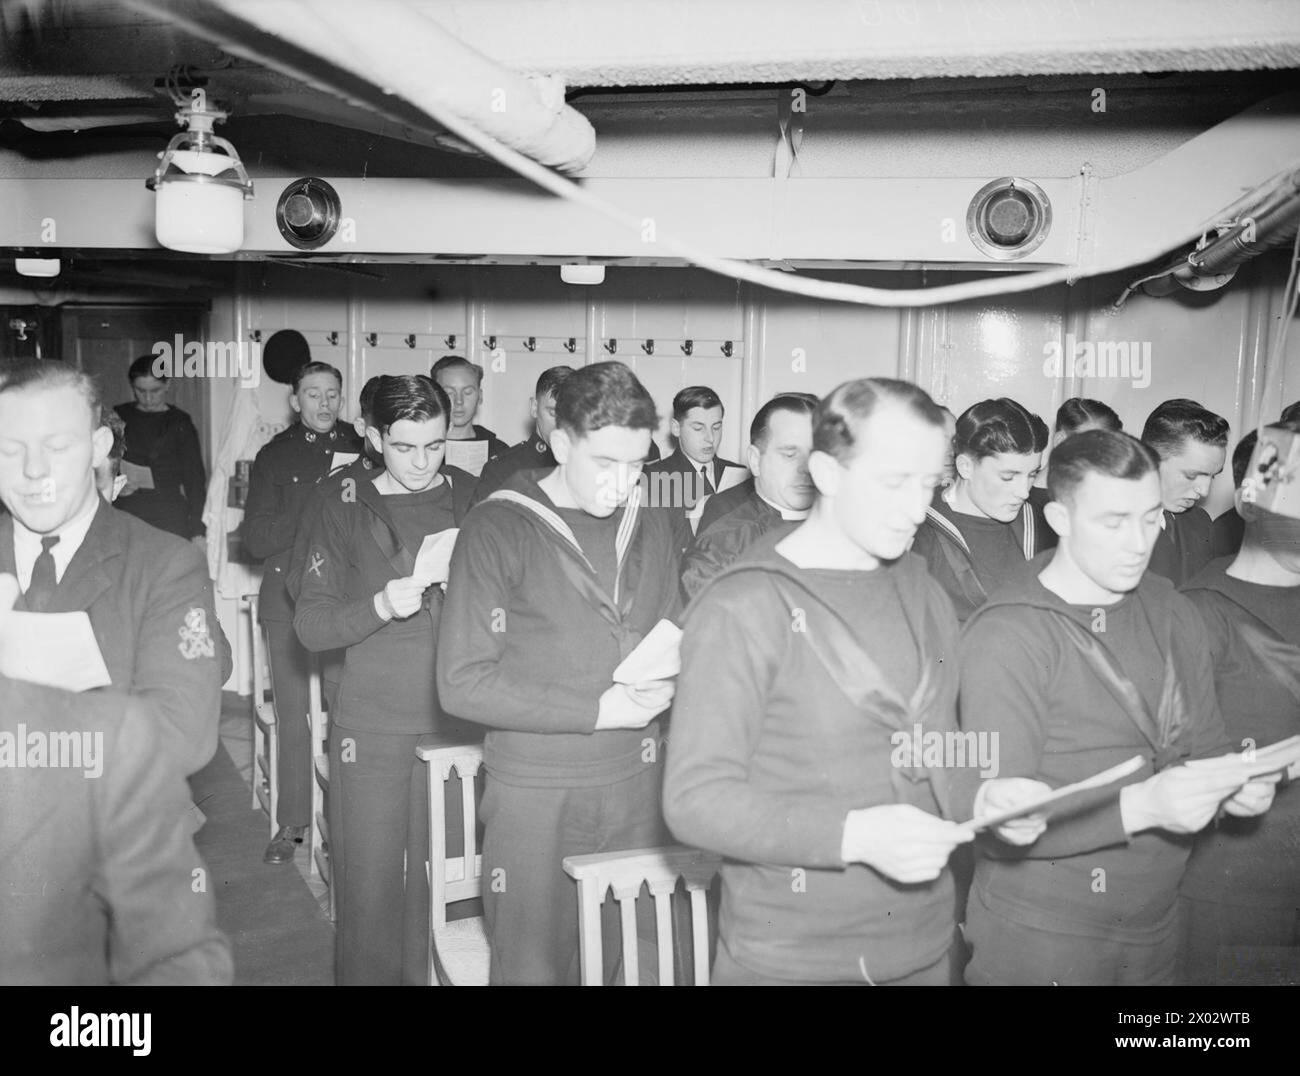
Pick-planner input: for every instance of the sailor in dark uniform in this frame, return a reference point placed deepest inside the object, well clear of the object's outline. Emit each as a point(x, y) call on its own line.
point(284, 474)
point(1192, 444)
point(163, 438)
point(982, 529)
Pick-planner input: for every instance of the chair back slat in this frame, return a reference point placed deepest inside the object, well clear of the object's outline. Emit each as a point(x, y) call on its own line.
point(624, 873)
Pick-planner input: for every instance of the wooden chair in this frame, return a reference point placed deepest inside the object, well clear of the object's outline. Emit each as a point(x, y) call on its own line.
point(658, 870)
point(458, 950)
point(318, 848)
point(266, 736)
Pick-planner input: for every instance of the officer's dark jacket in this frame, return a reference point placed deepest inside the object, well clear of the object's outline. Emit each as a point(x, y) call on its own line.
point(97, 872)
point(150, 604)
point(284, 474)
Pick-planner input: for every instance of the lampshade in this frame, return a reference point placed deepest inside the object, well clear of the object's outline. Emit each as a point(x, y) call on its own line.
point(582, 274)
point(37, 266)
point(201, 186)
point(200, 205)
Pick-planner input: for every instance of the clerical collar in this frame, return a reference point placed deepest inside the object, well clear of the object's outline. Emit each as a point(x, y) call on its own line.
point(786, 513)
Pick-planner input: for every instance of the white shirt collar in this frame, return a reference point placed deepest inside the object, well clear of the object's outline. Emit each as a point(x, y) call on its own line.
point(27, 544)
point(786, 513)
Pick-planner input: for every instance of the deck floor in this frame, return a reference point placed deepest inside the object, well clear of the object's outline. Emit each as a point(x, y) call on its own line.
point(276, 917)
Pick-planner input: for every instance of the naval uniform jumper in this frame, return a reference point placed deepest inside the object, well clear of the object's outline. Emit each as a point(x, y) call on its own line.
point(538, 615)
point(778, 735)
point(283, 475)
point(1069, 691)
point(971, 556)
point(526, 456)
point(386, 702)
point(168, 444)
point(1242, 886)
point(97, 871)
point(341, 482)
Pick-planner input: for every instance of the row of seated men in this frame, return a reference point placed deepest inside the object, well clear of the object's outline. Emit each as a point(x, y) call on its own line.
point(838, 845)
point(560, 569)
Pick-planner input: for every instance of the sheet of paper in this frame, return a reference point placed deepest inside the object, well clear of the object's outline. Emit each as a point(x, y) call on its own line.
point(342, 459)
point(56, 649)
point(1098, 780)
point(468, 455)
point(1255, 763)
point(138, 476)
point(657, 657)
point(434, 558)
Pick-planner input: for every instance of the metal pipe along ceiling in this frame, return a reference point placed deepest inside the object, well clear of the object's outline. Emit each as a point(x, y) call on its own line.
point(1272, 224)
point(405, 54)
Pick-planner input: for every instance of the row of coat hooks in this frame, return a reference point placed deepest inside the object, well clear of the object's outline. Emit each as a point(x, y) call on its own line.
point(531, 343)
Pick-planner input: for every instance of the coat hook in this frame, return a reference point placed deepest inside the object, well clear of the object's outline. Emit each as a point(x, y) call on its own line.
point(255, 335)
point(450, 341)
point(571, 344)
point(531, 343)
point(410, 339)
point(648, 347)
point(372, 339)
point(611, 346)
point(333, 338)
point(727, 348)
point(490, 343)
point(688, 347)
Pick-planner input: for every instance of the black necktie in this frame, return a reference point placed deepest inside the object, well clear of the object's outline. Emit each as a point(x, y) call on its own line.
point(44, 579)
point(708, 478)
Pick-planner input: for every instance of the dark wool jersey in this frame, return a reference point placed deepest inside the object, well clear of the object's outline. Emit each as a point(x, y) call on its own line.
point(997, 551)
point(356, 548)
point(532, 636)
point(1252, 861)
point(768, 754)
point(1026, 677)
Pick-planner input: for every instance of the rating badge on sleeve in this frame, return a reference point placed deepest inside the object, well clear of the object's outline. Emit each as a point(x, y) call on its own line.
point(196, 640)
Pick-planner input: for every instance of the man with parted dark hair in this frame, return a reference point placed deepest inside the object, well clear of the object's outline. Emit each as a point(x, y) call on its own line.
point(781, 491)
point(981, 530)
point(1083, 662)
point(146, 592)
point(1192, 444)
point(694, 470)
point(555, 578)
point(284, 474)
